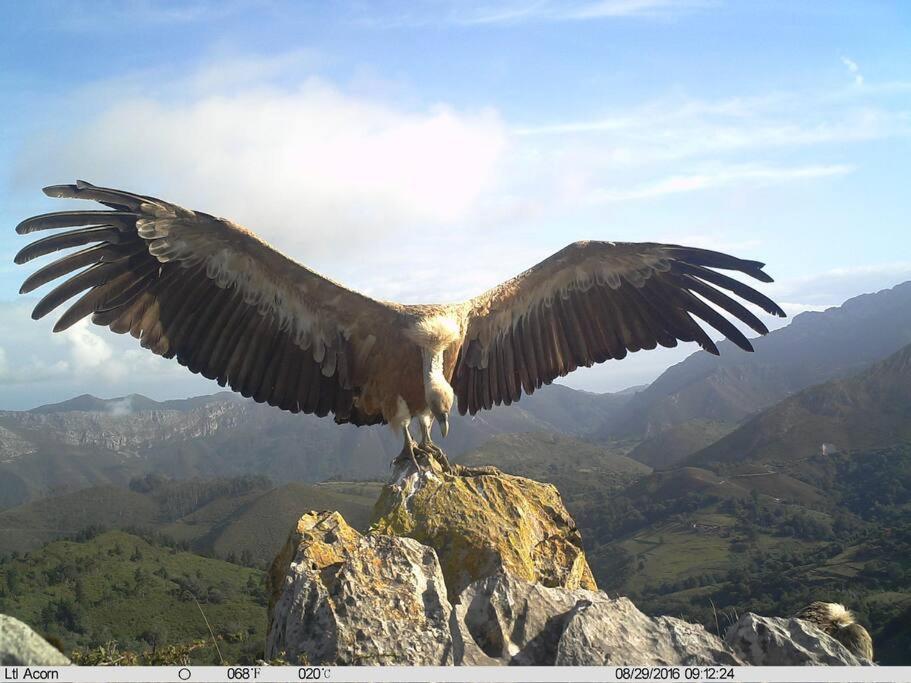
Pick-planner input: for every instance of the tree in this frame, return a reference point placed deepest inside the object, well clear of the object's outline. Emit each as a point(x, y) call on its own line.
point(64, 613)
point(12, 580)
point(79, 590)
point(154, 636)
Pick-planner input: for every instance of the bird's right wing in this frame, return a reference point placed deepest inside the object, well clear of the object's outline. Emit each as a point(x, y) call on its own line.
point(210, 293)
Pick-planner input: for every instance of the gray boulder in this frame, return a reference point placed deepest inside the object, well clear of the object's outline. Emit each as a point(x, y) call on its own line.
point(21, 646)
point(501, 620)
point(773, 641)
point(348, 599)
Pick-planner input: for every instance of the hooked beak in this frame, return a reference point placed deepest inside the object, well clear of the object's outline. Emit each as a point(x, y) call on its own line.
point(443, 419)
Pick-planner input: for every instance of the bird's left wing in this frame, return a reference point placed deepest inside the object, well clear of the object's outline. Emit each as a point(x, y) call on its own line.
point(593, 301)
point(210, 293)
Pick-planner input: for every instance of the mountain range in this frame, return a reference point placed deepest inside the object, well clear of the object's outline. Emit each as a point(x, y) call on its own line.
point(696, 401)
point(748, 481)
point(808, 500)
point(88, 441)
point(869, 410)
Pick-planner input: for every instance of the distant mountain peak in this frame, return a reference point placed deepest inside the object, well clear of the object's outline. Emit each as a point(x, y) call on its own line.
point(131, 403)
point(871, 409)
point(815, 347)
point(84, 403)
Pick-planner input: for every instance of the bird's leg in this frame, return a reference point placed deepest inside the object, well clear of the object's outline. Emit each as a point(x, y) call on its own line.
point(428, 446)
point(427, 443)
point(407, 450)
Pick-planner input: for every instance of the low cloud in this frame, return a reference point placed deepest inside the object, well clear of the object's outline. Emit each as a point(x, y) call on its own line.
point(37, 366)
point(120, 408)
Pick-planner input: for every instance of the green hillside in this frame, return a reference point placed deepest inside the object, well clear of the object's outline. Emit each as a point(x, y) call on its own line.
point(766, 520)
point(583, 472)
point(32, 525)
point(238, 517)
point(118, 587)
point(697, 543)
point(869, 410)
point(676, 443)
point(260, 526)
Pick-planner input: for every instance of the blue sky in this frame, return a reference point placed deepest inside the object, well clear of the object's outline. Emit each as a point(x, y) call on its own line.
point(425, 151)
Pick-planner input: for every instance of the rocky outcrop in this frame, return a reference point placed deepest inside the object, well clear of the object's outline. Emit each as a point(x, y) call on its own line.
point(21, 646)
point(500, 620)
point(338, 597)
point(477, 567)
point(772, 641)
point(482, 522)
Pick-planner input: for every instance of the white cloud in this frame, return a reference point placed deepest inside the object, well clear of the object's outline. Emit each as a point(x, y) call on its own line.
point(24, 370)
point(120, 408)
point(626, 8)
point(34, 362)
point(678, 144)
point(521, 11)
point(90, 354)
point(84, 16)
point(854, 70)
point(315, 168)
point(723, 177)
point(664, 131)
point(310, 168)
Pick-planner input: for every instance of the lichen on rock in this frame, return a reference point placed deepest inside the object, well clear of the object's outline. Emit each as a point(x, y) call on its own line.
point(337, 597)
point(511, 586)
point(482, 522)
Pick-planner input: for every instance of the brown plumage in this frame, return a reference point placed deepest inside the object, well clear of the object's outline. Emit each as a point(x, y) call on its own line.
point(225, 304)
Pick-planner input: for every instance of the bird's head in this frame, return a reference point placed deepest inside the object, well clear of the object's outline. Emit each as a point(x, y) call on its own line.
point(440, 402)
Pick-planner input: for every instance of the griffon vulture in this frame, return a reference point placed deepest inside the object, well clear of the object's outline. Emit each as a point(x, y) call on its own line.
point(232, 308)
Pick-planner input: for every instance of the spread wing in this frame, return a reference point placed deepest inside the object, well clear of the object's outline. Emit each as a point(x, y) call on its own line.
point(593, 301)
point(209, 293)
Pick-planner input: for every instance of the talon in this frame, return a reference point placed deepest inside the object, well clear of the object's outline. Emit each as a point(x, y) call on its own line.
point(437, 454)
point(429, 447)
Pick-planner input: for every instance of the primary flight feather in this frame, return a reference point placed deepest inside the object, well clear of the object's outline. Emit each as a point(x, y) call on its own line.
point(225, 304)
